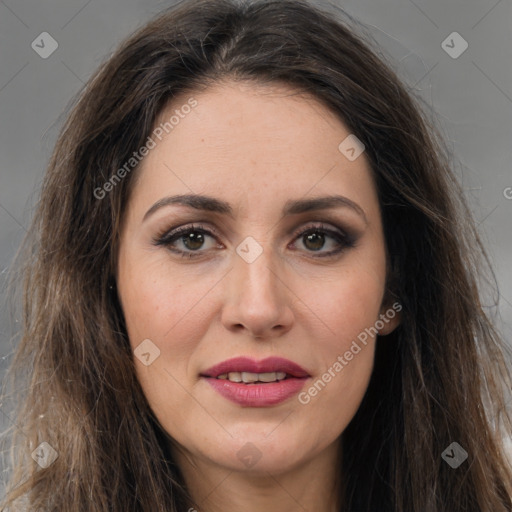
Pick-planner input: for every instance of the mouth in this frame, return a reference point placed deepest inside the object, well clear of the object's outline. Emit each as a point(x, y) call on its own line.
point(251, 383)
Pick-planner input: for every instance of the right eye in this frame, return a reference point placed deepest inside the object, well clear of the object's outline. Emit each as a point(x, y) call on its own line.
point(192, 239)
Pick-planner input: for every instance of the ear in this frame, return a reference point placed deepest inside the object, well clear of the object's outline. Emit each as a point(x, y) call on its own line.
point(389, 318)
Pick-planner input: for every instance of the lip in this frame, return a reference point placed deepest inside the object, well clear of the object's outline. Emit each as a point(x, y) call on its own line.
point(257, 395)
point(246, 364)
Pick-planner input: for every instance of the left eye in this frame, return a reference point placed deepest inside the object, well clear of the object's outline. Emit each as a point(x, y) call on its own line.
point(193, 239)
point(315, 239)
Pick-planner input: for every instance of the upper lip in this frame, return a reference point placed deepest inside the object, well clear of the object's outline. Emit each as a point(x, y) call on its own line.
point(246, 364)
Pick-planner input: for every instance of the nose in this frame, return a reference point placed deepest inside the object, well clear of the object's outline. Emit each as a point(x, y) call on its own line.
point(257, 298)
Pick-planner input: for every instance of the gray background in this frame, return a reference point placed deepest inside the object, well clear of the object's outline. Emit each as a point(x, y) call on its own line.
point(471, 97)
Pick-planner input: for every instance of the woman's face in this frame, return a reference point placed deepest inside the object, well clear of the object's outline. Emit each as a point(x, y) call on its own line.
point(244, 281)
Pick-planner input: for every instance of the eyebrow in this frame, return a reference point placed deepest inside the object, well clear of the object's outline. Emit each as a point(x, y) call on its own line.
point(291, 207)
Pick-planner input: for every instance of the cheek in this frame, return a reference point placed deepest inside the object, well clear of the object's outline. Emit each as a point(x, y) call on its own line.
point(170, 311)
point(345, 356)
point(350, 312)
point(172, 307)
point(347, 303)
point(348, 307)
point(163, 302)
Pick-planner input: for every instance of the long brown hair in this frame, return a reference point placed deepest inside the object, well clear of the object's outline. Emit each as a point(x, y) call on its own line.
point(438, 378)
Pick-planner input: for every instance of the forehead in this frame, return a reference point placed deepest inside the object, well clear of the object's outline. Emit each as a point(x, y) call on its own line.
point(250, 140)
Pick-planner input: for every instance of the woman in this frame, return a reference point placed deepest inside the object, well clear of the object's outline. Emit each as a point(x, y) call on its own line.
point(251, 284)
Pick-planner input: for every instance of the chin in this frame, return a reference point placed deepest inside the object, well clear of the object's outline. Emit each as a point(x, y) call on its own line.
point(258, 452)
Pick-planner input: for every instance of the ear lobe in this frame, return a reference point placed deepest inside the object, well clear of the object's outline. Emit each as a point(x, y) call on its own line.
point(389, 319)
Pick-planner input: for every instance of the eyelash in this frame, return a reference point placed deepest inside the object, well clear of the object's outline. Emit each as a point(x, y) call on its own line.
point(167, 238)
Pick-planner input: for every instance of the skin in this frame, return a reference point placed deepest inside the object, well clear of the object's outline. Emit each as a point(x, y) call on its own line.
point(256, 147)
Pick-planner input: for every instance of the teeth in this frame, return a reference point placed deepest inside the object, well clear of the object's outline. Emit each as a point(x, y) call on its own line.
point(267, 377)
point(248, 377)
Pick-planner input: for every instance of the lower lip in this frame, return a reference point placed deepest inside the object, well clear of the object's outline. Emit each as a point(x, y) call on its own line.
point(257, 395)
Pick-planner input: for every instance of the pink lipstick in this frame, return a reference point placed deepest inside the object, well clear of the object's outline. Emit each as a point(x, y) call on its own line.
point(252, 383)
